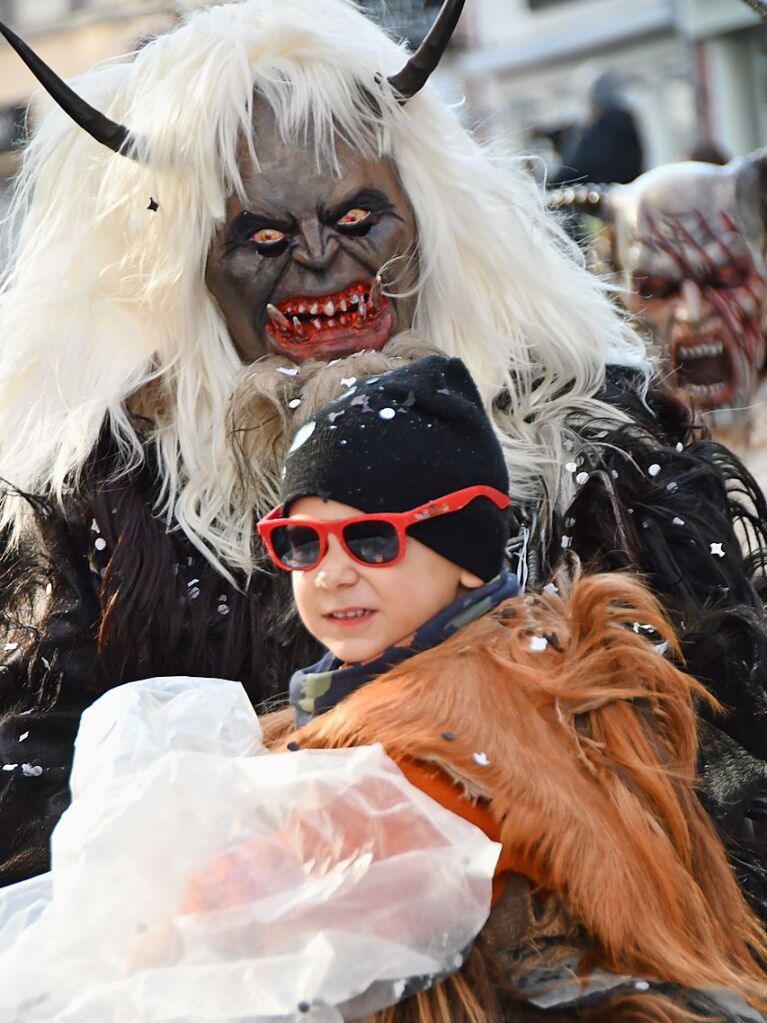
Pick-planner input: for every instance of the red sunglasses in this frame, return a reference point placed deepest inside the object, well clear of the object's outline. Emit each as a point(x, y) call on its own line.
point(298, 545)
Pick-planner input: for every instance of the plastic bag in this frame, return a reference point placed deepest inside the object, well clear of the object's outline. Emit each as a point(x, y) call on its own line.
point(198, 877)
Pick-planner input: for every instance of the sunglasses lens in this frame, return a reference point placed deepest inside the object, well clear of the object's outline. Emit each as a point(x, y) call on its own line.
point(296, 546)
point(373, 541)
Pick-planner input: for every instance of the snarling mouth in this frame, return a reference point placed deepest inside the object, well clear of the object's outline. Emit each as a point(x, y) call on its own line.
point(329, 326)
point(703, 367)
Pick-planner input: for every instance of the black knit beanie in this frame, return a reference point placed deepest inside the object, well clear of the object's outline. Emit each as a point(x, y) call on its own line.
point(395, 441)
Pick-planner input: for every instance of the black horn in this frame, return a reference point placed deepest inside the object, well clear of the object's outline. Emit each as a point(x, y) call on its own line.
point(108, 133)
point(415, 74)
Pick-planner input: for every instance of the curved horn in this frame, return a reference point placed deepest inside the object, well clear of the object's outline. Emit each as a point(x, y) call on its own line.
point(415, 74)
point(108, 133)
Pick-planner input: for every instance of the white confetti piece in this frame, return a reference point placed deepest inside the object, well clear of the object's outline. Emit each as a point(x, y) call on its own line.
point(481, 758)
point(538, 643)
point(100, 543)
point(194, 593)
point(661, 648)
point(294, 403)
point(718, 549)
point(10, 767)
point(642, 985)
point(654, 469)
point(680, 446)
point(677, 521)
point(291, 371)
point(387, 413)
point(348, 381)
point(11, 646)
point(672, 487)
point(552, 589)
point(223, 609)
point(95, 527)
point(192, 582)
point(24, 736)
point(566, 542)
point(49, 589)
point(571, 467)
point(581, 478)
point(302, 436)
point(30, 771)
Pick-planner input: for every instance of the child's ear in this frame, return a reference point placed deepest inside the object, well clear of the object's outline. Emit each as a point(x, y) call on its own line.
point(470, 581)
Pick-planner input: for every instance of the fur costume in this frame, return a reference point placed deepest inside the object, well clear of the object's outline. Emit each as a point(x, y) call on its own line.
point(138, 444)
point(584, 752)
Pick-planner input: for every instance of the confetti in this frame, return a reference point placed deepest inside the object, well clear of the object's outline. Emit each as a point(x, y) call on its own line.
point(100, 543)
point(642, 985)
point(680, 446)
point(11, 646)
point(566, 541)
point(294, 403)
point(551, 588)
point(95, 527)
point(10, 767)
point(291, 371)
point(348, 381)
point(677, 521)
point(654, 469)
point(481, 758)
point(49, 589)
point(332, 416)
point(571, 467)
point(387, 413)
point(194, 593)
point(581, 478)
point(538, 643)
point(223, 609)
point(24, 736)
point(30, 771)
point(614, 473)
point(302, 436)
point(717, 549)
point(672, 487)
point(661, 648)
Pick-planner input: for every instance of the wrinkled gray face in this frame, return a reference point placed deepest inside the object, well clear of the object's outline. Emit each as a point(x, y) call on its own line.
point(696, 276)
point(293, 267)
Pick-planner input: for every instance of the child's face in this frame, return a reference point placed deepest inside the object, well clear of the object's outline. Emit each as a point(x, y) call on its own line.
point(395, 600)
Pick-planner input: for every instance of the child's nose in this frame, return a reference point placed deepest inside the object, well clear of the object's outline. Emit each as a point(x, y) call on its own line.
point(336, 568)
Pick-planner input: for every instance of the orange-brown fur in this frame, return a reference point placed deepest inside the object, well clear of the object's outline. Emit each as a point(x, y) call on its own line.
point(592, 751)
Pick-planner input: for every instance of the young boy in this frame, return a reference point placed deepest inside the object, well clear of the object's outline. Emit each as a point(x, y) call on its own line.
point(551, 722)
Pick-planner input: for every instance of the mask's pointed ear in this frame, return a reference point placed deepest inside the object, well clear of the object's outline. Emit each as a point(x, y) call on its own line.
point(751, 187)
point(594, 200)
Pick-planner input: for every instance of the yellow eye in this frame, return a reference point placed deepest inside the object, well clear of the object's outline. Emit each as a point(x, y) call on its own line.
point(354, 216)
point(267, 236)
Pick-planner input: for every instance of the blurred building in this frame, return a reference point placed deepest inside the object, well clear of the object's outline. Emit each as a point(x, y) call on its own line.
point(692, 70)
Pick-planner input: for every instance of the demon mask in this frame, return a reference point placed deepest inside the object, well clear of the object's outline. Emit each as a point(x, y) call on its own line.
point(689, 240)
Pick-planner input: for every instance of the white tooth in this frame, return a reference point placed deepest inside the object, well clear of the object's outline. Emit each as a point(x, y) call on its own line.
point(331, 322)
point(718, 348)
point(342, 305)
point(317, 324)
point(329, 309)
point(302, 308)
point(314, 309)
point(354, 299)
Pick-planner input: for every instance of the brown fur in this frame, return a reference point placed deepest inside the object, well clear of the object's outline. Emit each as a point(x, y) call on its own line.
point(592, 747)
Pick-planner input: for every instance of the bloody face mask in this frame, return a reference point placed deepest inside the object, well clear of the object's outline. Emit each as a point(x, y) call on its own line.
point(691, 247)
point(294, 266)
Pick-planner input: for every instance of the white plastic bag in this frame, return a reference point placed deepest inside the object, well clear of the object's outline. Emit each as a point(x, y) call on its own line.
point(197, 877)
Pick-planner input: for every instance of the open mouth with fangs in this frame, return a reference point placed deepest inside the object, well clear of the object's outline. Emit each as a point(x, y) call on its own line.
point(703, 368)
point(330, 326)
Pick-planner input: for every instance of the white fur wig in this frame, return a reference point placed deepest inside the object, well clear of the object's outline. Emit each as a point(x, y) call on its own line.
point(106, 299)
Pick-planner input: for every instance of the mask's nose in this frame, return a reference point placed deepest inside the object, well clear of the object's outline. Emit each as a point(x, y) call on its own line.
point(316, 246)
